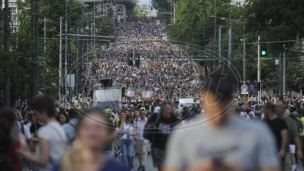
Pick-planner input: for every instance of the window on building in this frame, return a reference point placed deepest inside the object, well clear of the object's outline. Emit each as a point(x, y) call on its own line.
point(120, 8)
point(13, 12)
point(238, 3)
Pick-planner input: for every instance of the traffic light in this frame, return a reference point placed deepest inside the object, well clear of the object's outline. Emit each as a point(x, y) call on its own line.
point(258, 86)
point(263, 51)
point(302, 92)
point(63, 90)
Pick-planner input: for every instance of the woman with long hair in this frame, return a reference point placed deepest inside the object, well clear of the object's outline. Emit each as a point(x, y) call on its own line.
point(62, 118)
point(88, 150)
point(9, 136)
point(127, 144)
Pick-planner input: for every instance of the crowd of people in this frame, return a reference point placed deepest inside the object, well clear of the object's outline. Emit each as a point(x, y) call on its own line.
point(168, 79)
point(218, 134)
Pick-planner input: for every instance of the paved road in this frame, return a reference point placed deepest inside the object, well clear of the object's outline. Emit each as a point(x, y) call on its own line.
point(150, 167)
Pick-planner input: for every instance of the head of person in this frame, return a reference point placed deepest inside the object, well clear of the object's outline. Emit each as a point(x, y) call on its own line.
point(44, 108)
point(129, 119)
point(269, 109)
point(92, 132)
point(73, 113)
point(300, 112)
point(93, 129)
point(136, 114)
point(281, 107)
point(217, 96)
point(294, 115)
point(177, 113)
point(142, 114)
point(122, 116)
point(62, 118)
point(57, 111)
point(8, 125)
point(166, 109)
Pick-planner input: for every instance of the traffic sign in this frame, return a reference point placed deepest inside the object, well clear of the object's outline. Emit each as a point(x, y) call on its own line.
point(244, 89)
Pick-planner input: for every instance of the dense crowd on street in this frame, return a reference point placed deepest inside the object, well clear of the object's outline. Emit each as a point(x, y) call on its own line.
point(224, 131)
point(219, 134)
point(168, 79)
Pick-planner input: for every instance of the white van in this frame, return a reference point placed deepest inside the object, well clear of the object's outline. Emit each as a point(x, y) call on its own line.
point(187, 102)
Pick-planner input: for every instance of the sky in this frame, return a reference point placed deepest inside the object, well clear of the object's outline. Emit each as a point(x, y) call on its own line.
point(147, 2)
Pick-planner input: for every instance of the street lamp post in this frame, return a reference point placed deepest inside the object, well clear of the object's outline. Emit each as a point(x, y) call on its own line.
point(220, 46)
point(67, 11)
point(7, 81)
point(60, 62)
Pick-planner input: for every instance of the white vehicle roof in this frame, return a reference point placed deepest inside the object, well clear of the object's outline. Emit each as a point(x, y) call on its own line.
point(186, 100)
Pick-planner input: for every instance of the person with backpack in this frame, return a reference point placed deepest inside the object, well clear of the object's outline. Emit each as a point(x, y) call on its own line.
point(69, 127)
point(127, 131)
point(141, 142)
point(157, 131)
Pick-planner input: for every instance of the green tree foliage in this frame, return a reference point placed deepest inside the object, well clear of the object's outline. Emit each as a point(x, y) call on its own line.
point(194, 26)
point(163, 8)
point(280, 23)
point(141, 10)
point(275, 21)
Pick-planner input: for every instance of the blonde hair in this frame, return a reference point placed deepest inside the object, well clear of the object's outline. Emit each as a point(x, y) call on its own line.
point(72, 158)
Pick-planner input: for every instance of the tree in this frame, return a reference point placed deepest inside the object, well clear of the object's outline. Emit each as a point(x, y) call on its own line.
point(281, 24)
point(20, 56)
point(194, 26)
point(141, 10)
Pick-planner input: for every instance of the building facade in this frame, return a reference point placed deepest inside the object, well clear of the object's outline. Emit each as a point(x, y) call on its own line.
point(116, 9)
point(13, 13)
point(238, 3)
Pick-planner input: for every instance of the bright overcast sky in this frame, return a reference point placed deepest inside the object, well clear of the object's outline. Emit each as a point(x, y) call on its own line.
point(147, 2)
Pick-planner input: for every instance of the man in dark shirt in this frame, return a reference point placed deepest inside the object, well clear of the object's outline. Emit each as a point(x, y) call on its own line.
point(161, 125)
point(293, 134)
point(278, 127)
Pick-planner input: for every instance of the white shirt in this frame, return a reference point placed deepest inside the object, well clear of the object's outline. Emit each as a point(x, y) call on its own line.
point(29, 124)
point(27, 134)
point(156, 109)
point(127, 128)
point(140, 126)
point(54, 134)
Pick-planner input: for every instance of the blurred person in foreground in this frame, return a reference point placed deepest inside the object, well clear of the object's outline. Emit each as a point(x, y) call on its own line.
point(221, 141)
point(9, 136)
point(88, 152)
point(51, 137)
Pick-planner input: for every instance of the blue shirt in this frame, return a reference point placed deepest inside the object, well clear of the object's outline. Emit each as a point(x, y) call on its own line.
point(69, 129)
point(110, 165)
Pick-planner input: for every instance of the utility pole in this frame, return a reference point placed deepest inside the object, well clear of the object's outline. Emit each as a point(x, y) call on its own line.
point(244, 60)
point(229, 43)
point(44, 35)
point(219, 46)
point(34, 12)
point(66, 49)
point(284, 72)
point(60, 62)
point(7, 82)
point(259, 69)
point(77, 56)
